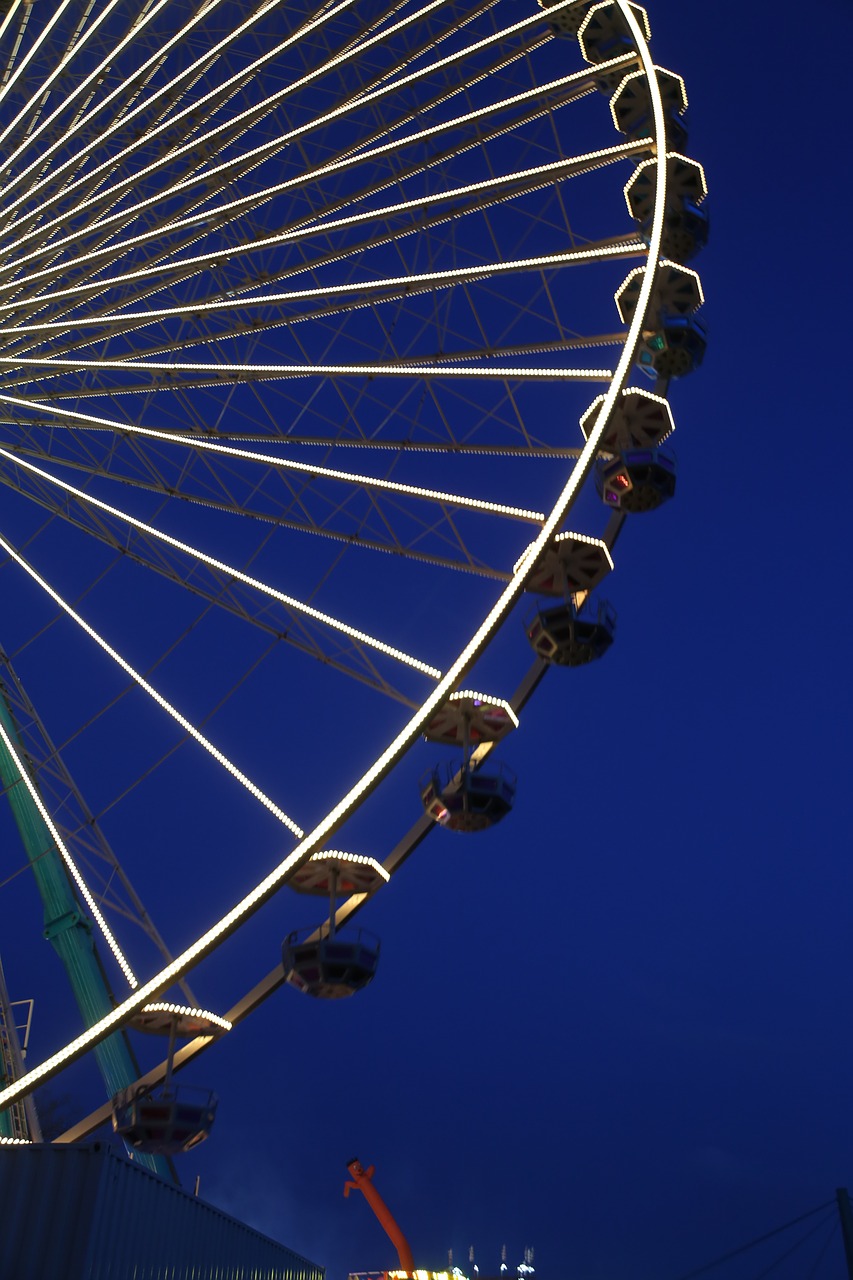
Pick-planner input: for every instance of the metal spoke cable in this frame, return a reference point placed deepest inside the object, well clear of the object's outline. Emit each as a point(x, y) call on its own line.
point(156, 270)
point(217, 216)
point(462, 448)
point(820, 1257)
point(292, 135)
point(751, 1244)
point(144, 551)
point(794, 1248)
point(90, 79)
point(355, 156)
point(348, 538)
point(33, 50)
point(161, 760)
point(212, 374)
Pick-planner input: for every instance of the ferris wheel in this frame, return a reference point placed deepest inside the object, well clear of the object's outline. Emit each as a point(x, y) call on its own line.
point(335, 344)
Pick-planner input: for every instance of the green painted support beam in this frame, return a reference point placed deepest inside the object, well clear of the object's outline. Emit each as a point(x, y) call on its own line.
point(68, 931)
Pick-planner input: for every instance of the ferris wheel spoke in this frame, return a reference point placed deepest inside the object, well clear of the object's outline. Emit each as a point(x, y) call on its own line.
point(128, 89)
point(233, 124)
point(186, 270)
point(196, 374)
point(273, 461)
point(197, 556)
point(216, 589)
point(438, 530)
point(16, 19)
point(300, 306)
point(32, 225)
point(401, 446)
point(281, 140)
point(37, 226)
point(27, 58)
point(400, 219)
point(556, 94)
point(148, 688)
point(80, 37)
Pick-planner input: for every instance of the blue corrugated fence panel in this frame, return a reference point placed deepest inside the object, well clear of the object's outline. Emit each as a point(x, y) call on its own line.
point(85, 1212)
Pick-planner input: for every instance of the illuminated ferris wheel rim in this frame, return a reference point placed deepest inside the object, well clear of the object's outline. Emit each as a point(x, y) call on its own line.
point(448, 682)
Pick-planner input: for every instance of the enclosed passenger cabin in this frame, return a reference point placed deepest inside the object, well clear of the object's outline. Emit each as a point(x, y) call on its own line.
point(468, 799)
point(686, 225)
point(330, 968)
point(468, 719)
point(639, 420)
point(637, 480)
point(568, 19)
point(572, 562)
point(675, 347)
point(570, 637)
point(165, 1120)
point(633, 115)
point(674, 342)
point(604, 33)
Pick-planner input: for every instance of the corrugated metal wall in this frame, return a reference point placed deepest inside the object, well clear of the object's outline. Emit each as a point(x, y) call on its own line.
point(85, 1212)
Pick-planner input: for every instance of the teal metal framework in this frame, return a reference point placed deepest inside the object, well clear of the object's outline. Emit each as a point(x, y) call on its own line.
point(65, 927)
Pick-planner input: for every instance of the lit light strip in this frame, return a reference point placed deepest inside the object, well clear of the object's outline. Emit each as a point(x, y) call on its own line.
point(121, 120)
point(328, 473)
point(150, 99)
point(264, 148)
point(15, 1142)
point(162, 1006)
point(407, 736)
point(359, 859)
point(566, 537)
point(408, 284)
point(33, 50)
point(539, 173)
point(140, 23)
point(256, 110)
point(152, 692)
point(541, 91)
point(10, 13)
point(66, 856)
point(215, 373)
point(488, 700)
point(61, 66)
point(289, 601)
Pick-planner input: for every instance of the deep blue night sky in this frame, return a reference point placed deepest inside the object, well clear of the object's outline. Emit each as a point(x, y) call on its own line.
point(616, 1028)
point(622, 1036)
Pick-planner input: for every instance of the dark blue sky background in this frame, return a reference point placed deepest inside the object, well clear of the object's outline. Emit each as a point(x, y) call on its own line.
point(616, 1028)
